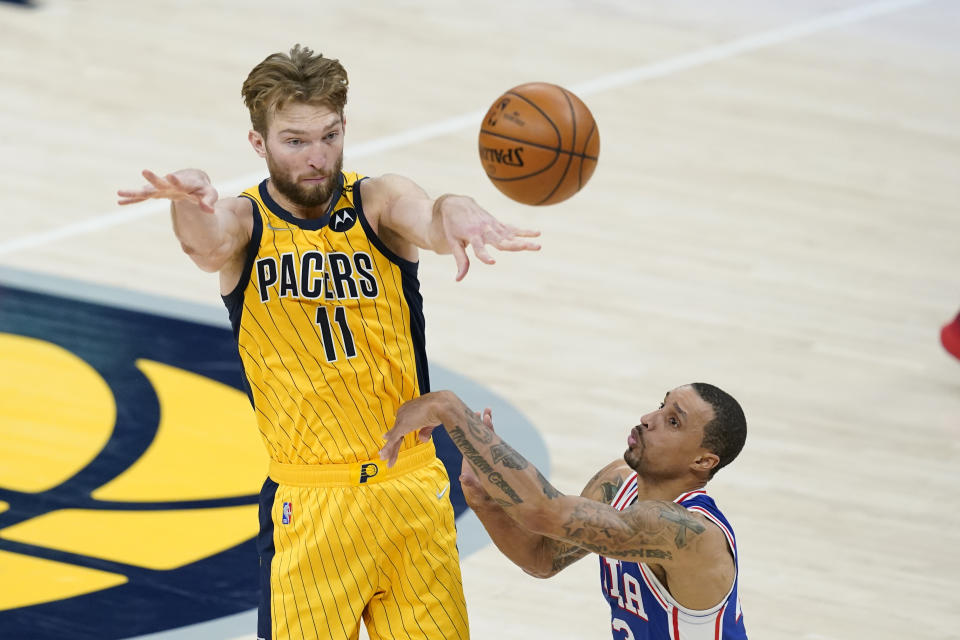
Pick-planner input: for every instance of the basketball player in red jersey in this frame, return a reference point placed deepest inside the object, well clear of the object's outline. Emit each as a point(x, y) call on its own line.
point(318, 270)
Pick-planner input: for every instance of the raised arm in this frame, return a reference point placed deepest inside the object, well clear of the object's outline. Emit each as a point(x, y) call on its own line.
point(536, 554)
point(406, 218)
point(682, 542)
point(213, 232)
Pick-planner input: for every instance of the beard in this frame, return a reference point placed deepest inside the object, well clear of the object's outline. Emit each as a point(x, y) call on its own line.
point(306, 196)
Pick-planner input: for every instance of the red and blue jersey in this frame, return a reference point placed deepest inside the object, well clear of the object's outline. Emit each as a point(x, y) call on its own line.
point(643, 609)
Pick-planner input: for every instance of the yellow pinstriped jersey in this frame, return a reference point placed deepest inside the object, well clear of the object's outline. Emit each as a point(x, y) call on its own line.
point(330, 329)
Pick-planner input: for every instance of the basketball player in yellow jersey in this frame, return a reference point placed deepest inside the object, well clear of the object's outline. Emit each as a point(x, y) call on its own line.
point(318, 270)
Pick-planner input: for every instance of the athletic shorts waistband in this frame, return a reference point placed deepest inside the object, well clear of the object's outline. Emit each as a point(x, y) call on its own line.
point(352, 474)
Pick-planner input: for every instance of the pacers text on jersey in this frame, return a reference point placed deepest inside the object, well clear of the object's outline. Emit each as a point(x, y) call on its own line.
point(334, 276)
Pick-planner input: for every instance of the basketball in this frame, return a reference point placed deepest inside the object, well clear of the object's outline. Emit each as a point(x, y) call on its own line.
point(539, 143)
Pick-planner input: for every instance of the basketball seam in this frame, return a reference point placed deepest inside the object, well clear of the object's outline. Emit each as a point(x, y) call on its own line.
point(538, 146)
point(585, 143)
point(573, 145)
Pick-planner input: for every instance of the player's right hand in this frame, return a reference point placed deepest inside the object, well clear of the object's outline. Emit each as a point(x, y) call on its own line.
point(473, 491)
point(186, 185)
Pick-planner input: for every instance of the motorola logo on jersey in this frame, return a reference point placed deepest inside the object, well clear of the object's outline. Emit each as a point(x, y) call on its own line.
point(343, 219)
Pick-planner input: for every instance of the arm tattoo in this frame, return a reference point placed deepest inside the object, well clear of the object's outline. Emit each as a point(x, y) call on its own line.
point(587, 522)
point(479, 430)
point(564, 554)
point(498, 480)
point(605, 491)
point(609, 490)
point(682, 518)
point(548, 489)
point(647, 530)
point(505, 454)
point(480, 463)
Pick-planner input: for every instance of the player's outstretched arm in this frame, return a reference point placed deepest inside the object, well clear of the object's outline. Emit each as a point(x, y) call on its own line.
point(536, 554)
point(445, 225)
point(651, 531)
point(212, 232)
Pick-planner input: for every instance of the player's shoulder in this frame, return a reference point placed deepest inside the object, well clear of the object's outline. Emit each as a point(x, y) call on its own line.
point(605, 484)
point(387, 187)
point(380, 193)
point(238, 205)
point(241, 208)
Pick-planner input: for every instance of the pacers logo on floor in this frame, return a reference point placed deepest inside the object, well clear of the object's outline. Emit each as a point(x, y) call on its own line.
point(130, 468)
point(129, 472)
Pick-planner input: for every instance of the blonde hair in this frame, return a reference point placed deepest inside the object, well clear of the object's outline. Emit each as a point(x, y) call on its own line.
point(301, 76)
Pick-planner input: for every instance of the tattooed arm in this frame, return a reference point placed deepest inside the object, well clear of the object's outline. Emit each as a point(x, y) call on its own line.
point(536, 554)
point(692, 552)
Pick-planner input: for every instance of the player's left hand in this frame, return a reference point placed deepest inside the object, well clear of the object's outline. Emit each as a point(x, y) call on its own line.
point(418, 414)
point(467, 224)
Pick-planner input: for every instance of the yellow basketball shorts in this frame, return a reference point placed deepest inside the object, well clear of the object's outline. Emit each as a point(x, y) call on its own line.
point(341, 543)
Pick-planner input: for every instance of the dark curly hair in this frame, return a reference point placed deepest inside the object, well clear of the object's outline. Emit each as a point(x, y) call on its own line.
point(727, 432)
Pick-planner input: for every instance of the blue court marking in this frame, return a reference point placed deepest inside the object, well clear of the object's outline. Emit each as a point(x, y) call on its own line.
point(109, 329)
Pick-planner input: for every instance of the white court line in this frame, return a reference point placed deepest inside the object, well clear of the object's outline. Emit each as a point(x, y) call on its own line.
point(458, 123)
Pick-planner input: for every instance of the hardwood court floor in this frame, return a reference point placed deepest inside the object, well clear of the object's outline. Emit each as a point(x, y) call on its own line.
point(774, 211)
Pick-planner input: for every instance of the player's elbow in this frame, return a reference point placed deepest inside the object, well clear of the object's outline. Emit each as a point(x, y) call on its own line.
point(539, 517)
point(545, 561)
point(541, 573)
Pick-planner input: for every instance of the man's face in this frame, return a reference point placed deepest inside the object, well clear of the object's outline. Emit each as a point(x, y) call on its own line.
point(304, 152)
point(668, 439)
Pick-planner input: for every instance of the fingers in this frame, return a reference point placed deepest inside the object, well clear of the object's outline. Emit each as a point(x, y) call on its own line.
point(129, 196)
point(175, 182)
point(523, 233)
point(469, 481)
point(516, 244)
point(480, 250)
point(488, 419)
point(130, 200)
point(463, 262)
point(424, 434)
point(205, 197)
point(389, 453)
point(391, 448)
point(154, 179)
point(152, 190)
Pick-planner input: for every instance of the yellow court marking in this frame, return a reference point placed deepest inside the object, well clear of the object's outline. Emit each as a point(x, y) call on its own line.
point(3, 506)
point(207, 444)
point(57, 413)
point(26, 581)
point(151, 539)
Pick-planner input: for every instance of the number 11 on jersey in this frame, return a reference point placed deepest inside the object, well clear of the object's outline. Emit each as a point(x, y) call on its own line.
point(326, 332)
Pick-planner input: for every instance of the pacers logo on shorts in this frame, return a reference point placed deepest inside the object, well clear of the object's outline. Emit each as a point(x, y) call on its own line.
point(367, 471)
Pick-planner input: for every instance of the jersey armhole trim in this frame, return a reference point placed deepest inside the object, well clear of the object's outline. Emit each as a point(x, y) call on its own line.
point(405, 265)
point(253, 247)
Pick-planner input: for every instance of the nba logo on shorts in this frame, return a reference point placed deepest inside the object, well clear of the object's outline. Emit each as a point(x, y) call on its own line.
point(287, 512)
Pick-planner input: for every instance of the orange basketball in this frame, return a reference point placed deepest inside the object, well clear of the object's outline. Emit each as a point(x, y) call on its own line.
point(539, 143)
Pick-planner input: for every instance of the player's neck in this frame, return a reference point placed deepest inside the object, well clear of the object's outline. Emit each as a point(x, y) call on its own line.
point(306, 213)
point(660, 489)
